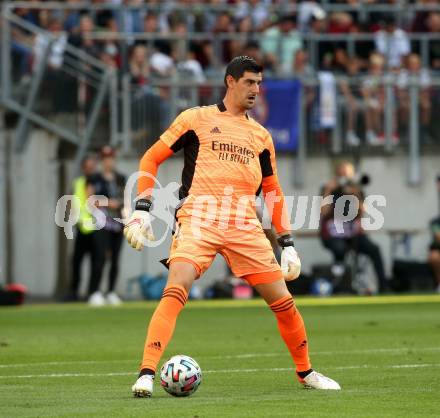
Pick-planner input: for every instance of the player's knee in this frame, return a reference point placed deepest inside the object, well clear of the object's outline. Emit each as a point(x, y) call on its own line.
point(182, 274)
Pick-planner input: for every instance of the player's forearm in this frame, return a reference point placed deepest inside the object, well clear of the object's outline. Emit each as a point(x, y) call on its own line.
point(275, 202)
point(149, 164)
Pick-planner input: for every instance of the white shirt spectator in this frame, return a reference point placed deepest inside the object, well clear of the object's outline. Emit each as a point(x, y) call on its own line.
point(258, 11)
point(161, 64)
point(393, 46)
point(306, 11)
point(423, 78)
point(56, 54)
point(193, 67)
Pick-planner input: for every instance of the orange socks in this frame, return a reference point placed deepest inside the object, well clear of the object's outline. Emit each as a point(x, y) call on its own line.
point(291, 326)
point(162, 325)
point(161, 328)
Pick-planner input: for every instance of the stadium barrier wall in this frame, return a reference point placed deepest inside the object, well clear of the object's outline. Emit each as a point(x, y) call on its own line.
point(36, 240)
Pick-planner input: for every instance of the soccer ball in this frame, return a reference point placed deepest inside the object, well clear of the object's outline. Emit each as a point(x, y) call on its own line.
point(180, 375)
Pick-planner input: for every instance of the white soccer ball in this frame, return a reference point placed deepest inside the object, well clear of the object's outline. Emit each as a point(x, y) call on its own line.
point(180, 375)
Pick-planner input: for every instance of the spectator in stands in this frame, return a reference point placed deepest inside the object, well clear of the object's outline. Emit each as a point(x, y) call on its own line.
point(342, 236)
point(151, 23)
point(110, 46)
point(55, 58)
point(252, 49)
point(138, 65)
point(208, 60)
point(245, 28)
point(30, 16)
point(307, 12)
point(190, 66)
point(206, 18)
point(81, 40)
point(374, 95)
point(301, 66)
point(280, 43)
point(44, 18)
point(325, 49)
point(179, 46)
point(148, 109)
point(161, 61)
point(340, 60)
point(377, 17)
point(102, 18)
point(20, 54)
point(304, 71)
point(352, 99)
point(71, 21)
point(255, 10)
point(433, 24)
point(413, 70)
point(392, 42)
point(108, 57)
point(154, 24)
point(130, 20)
point(340, 22)
point(55, 80)
point(419, 23)
point(434, 248)
point(224, 25)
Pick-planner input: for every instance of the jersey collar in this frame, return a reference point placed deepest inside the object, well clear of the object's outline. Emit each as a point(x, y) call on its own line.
point(222, 108)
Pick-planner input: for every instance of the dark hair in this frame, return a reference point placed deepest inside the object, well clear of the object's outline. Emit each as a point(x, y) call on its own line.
point(389, 20)
point(239, 65)
point(86, 158)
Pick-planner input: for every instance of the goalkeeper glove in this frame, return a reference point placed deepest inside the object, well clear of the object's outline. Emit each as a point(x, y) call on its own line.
point(290, 262)
point(138, 227)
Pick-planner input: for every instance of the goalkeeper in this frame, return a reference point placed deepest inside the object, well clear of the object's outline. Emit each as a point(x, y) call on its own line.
point(227, 156)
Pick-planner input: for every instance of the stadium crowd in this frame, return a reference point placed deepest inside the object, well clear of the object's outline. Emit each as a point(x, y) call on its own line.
point(154, 40)
point(248, 18)
point(279, 40)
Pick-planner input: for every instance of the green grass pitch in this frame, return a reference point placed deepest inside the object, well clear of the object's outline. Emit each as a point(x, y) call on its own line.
point(70, 360)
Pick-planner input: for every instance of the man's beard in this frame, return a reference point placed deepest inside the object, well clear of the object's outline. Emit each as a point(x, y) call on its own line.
point(249, 104)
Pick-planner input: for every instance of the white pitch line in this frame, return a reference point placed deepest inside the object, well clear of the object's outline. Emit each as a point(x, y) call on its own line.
point(63, 363)
point(332, 353)
point(236, 356)
point(275, 369)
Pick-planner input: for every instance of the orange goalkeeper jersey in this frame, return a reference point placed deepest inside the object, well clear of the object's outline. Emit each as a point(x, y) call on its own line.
point(226, 157)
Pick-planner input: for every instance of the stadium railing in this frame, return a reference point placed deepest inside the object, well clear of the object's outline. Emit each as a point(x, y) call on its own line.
point(403, 10)
point(147, 111)
point(138, 114)
point(56, 86)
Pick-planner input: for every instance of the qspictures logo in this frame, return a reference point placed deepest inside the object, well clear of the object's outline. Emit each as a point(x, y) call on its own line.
point(228, 151)
point(221, 212)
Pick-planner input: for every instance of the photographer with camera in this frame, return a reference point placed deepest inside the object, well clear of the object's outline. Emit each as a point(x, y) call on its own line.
point(340, 236)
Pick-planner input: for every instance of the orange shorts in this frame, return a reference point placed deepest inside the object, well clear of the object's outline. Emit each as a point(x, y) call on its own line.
point(249, 254)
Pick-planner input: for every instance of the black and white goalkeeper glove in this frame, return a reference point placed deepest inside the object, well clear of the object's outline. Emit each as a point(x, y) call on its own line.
point(138, 228)
point(290, 262)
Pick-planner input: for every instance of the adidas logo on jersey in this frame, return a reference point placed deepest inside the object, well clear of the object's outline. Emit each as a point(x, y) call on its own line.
point(215, 130)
